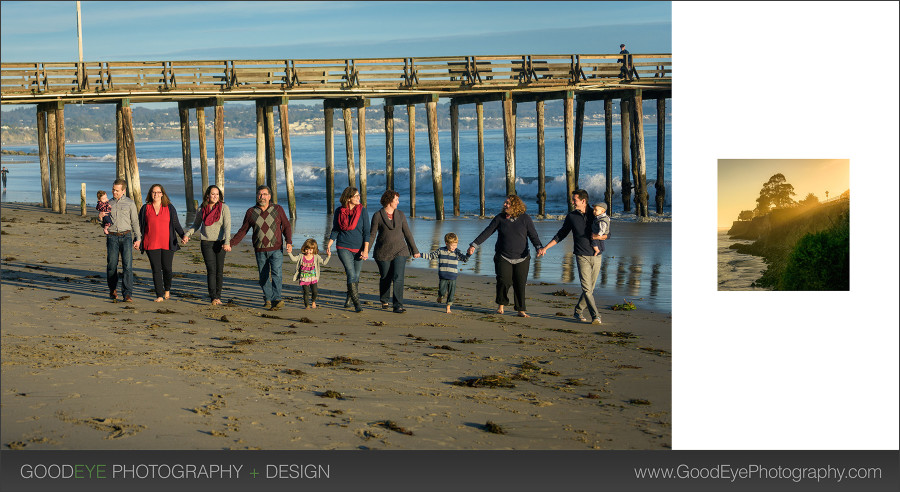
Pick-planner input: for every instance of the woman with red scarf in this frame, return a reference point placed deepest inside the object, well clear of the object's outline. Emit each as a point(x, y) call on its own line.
point(213, 221)
point(350, 228)
point(160, 230)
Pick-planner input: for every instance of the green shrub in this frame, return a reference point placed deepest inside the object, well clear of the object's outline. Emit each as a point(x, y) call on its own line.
point(820, 261)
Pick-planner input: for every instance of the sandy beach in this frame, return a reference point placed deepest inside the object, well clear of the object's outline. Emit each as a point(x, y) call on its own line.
point(80, 371)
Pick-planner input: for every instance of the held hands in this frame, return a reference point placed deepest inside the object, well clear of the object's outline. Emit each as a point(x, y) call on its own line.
point(541, 251)
point(137, 244)
point(470, 250)
point(289, 248)
point(226, 247)
point(185, 239)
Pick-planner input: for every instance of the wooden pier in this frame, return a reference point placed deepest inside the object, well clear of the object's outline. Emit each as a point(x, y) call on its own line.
point(348, 84)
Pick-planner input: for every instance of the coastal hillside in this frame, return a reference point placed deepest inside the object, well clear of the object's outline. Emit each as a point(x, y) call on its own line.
point(805, 248)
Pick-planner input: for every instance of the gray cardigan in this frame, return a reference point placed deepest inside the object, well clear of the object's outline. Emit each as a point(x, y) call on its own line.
point(394, 236)
point(220, 230)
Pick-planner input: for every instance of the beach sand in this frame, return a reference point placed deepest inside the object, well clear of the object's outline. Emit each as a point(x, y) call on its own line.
point(80, 371)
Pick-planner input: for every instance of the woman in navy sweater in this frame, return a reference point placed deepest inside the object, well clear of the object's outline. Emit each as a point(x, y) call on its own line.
point(350, 228)
point(512, 258)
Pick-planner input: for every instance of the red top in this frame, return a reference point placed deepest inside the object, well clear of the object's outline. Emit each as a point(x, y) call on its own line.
point(157, 236)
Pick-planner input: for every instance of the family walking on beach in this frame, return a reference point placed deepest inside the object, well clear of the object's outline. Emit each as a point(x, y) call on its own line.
point(156, 231)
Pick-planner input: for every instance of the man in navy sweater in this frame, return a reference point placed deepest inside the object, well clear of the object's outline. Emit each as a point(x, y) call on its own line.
point(578, 222)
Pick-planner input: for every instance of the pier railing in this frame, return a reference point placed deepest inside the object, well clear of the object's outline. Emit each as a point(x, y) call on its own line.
point(23, 81)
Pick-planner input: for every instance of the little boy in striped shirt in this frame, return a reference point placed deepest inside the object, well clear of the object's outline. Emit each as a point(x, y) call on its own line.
point(448, 267)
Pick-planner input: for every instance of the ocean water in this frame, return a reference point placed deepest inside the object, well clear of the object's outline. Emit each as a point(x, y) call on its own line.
point(637, 264)
point(737, 271)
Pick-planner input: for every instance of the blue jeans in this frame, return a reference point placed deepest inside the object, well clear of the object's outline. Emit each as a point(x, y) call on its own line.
point(392, 272)
point(269, 265)
point(351, 265)
point(117, 246)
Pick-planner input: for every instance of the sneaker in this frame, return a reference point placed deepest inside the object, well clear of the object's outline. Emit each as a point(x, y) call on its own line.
point(278, 304)
point(268, 305)
point(596, 321)
point(580, 317)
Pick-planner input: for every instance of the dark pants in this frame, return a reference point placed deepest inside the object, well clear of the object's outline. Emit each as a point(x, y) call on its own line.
point(214, 257)
point(161, 266)
point(447, 289)
point(392, 272)
point(311, 290)
point(509, 275)
point(119, 246)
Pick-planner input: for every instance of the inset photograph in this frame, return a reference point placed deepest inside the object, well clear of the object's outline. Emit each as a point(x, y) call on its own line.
point(784, 224)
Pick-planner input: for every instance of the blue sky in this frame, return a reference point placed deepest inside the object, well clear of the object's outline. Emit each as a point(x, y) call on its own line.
point(46, 31)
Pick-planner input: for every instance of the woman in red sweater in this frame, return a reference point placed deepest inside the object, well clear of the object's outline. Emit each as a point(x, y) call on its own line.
point(160, 231)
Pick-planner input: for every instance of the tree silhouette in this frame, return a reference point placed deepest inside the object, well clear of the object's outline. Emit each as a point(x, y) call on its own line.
point(775, 193)
point(745, 215)
point(809, 200)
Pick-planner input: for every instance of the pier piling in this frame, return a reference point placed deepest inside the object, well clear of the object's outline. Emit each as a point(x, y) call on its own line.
point(183, 116)
point(625, 125)
point(607, 123)
point(640, 163)
point(454, 146)
point(53, 153)
point(286, 157)
point(132, 174)
point(361, 139)
point(479, 113)
point(120, 144)
point(260, 144)
point(201, 143)
point(389, 146)
point(220, 145)
point(542, 191)
point(348, 142)
point(660, 154)
point(433, 144)
point(570, 147)
point(509, 142)
point(271, 173)
point(329, 159)
point(411, 113)
point(579, 131)
point(43, 155)
point(61, 154)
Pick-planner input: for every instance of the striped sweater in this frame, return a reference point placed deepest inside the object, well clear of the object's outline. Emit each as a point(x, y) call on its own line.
point(448, 262)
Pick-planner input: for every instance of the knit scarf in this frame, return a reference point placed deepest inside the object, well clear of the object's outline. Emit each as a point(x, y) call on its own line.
point(347, 219)
point(211, 214)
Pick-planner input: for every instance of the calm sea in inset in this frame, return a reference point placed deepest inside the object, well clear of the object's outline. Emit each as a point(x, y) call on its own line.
point(737, 271)
point(637, 264)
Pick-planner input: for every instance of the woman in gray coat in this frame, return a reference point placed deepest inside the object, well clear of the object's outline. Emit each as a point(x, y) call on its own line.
point(393, 247)
point(213, 221)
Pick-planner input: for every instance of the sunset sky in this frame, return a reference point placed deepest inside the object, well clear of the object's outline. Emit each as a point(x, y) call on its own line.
point(741, 179)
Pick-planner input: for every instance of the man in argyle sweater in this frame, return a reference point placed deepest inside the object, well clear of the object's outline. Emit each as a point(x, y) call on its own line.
point(269, 225)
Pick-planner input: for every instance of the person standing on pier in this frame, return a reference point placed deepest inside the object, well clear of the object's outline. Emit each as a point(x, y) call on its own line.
point(124, 235)
point(351, 229)
point(270, 225)
point(512, 257)
point(627, 71)
point(579, 222)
